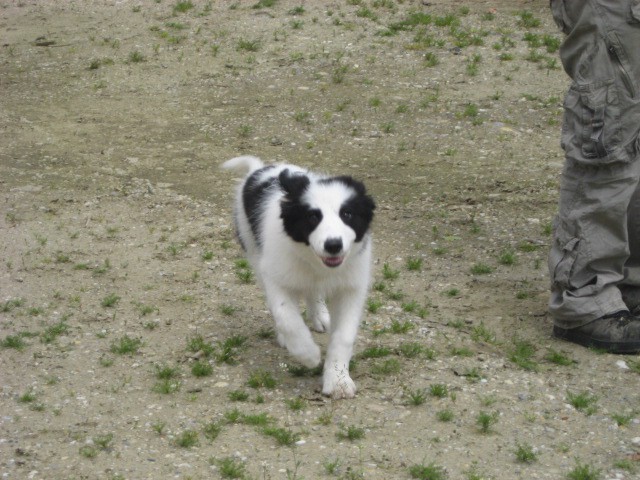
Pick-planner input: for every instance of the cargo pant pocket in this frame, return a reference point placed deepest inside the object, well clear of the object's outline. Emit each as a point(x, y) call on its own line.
point(591, 128)
point(562, 258)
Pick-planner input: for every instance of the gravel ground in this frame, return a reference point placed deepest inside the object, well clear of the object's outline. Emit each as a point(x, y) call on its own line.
point(135, 343)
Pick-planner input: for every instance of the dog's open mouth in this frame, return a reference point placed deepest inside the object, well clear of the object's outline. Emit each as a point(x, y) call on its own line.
point(332, 261)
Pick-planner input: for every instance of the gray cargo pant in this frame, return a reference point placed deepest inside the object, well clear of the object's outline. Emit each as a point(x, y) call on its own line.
point(596, 239)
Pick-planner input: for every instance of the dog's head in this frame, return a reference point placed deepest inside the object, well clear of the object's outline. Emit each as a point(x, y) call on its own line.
point(329, 215)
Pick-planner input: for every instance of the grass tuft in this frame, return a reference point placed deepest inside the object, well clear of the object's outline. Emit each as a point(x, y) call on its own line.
point(261, 378)
point(486, 420)
point(522, 355)
point(351, 433)
point(428, 472)
point(583, 471)
point(525, 453)
point(583, 401)
point(126, 345)
point(282, 436)
point(187, 439)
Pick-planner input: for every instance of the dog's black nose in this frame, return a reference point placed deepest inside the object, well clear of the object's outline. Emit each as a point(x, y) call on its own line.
point(333, 246)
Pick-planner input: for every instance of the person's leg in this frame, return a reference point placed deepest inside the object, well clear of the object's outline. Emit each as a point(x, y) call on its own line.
point(589, 250)
point(630, 286)
point(601, 122)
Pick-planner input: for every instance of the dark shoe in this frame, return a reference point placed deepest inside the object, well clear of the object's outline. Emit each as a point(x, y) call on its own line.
point(616, 333)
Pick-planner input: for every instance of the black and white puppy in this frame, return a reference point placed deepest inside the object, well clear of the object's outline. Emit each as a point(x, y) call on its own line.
point(307, 238)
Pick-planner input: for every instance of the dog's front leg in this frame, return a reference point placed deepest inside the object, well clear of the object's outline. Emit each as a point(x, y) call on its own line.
point(292, 332)
point(345, 309)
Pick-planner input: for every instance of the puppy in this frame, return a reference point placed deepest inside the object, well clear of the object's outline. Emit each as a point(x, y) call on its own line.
point(307, 238)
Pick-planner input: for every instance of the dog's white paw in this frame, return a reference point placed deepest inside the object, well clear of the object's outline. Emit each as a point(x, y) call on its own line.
point(337, 383)
point(308, 354)
point(319, 315)
point(321, 321)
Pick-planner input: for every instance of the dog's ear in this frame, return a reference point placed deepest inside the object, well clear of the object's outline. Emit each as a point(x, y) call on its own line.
point(359, 188)
point(349, 181)
point(293, 184)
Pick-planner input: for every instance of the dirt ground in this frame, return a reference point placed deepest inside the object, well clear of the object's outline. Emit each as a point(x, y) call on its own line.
point(134, 342)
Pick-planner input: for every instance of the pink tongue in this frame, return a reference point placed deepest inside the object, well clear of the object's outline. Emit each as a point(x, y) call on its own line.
point(332, 261)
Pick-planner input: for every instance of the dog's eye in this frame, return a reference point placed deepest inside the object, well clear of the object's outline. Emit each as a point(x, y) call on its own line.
point(346, 215)
point(314, 217)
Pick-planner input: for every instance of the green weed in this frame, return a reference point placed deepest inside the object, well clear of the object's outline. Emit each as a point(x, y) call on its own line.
point(256, 420)
point(54, 331)
point(351, 433)
point(248, 45)
point(481, 269)
point(584, 471)
point(211, 430)
point(264, 4)
point(375, 352)
point(282, 436)
point(201, 369)
point(136, 57)
point(27, 397)
point(583, 401)
point(507, 257)
point(387, 367)
point(261, 378)
point(103, 442)
point(238, 396)
point(399, 327)
point(411, 349)
point(438, 390)
point(110, 300)
point(296, 404)
point(166, 372)
point(373, 305)
point(187, 439)
point(428, 472)
point(159, 427)
point(445, 415)
point(558, 358)
point(525, 453)
point(522, 355)
point(486, 420)
point(126, 345)
point(481, 333)
point(416, 397)
point(166, 386)
point(15, 342)
point(183, 6)
point(230, 467)
point(527, 20)
point(11, 304)
point(197, 344)
point(88, 451)
point(388, 273)
point(621, 420)
point(431, 59)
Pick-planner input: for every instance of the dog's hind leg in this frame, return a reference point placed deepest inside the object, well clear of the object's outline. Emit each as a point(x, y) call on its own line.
point(318, 313)
point(292, 332)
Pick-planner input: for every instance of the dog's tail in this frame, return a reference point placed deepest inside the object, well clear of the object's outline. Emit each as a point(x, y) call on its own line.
point(246, 162)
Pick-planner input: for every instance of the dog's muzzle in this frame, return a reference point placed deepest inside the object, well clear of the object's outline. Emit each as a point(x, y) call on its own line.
point(333, 246)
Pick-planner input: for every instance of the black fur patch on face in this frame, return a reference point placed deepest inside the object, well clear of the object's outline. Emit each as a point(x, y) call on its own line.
point(253, 194)
point(299, 219)
point(357, 211)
